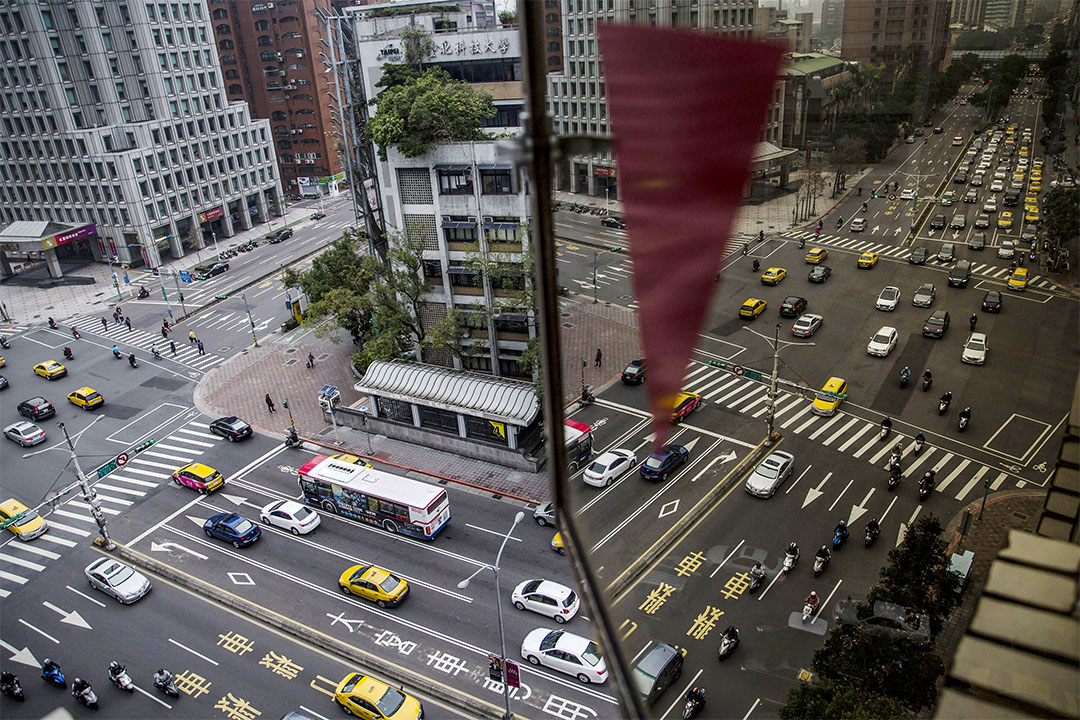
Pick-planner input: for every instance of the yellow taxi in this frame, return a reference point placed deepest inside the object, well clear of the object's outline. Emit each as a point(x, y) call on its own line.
point(752, 308)
point(1031, 202)
point(351, 459)
point(199, 477)
point(557, 544)
point(371, 699)
point(1019, 175)
point(21, 520)
point(1019, 279)
point(3, 362)
point(1032, 215)
point(86, 397)
point(1005, 220)
point(830, 397)
point(685, 403)
point(1023, 150)
point(1036, 173)
point(50, 370)
point(773, 276)
point(1035, 186)
point(374, 584)
point(868, 259)
point(816, 255)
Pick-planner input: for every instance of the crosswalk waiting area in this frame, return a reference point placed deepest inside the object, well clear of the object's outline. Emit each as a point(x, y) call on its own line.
point(848, 434)
point(70, 522)
point(901, 253)
point(142, 341)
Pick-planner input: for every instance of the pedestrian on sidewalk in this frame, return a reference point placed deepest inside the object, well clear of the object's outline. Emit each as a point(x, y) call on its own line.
point(104, 325)
point(310, 360)
point(599, 357)
point(201, 351)
point(191, 336)
point(172, 346)
point(127, 321)
point(269, 403)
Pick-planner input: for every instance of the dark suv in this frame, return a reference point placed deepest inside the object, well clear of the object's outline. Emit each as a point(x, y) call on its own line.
point(36, 408)
point(792, 306)
point(936, 325)
point(917, 256)
point(660, 667)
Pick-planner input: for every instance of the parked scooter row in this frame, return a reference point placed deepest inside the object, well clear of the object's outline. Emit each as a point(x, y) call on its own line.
point(81, 689)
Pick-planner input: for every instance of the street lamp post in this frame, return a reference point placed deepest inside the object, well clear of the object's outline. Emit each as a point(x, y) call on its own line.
point(498, 606)
point(774, 380)
point(214, 236)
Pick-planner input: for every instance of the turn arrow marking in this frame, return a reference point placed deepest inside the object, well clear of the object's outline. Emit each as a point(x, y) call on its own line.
point(71, 618)
point(167, 546)
point(234, 499)
point(857, 511)
point(23, 656)
point(814, 493)
point(728, 458)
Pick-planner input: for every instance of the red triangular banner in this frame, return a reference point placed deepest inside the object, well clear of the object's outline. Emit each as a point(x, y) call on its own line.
point(686, 110)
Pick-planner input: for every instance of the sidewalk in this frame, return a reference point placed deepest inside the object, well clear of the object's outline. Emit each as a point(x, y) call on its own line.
point(30, 305)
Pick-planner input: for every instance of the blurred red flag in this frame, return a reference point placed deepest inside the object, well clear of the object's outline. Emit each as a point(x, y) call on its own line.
point(687, 110)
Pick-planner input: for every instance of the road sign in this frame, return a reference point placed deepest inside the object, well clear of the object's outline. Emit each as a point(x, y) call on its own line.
point(752, 374)
point(122, 459)
point(739, 370)
point(512, 677)
point(185, 276)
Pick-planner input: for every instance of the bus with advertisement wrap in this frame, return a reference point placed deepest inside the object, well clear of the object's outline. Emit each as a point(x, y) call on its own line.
point(395, 503)
point(579, 443)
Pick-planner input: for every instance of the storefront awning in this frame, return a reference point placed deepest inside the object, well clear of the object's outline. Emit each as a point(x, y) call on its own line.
point(495, 166)
point(452, 167)
point(456, 224)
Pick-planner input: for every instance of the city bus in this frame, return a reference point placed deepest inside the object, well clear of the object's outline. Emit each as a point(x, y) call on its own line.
point(395, 503)
point(579, 443)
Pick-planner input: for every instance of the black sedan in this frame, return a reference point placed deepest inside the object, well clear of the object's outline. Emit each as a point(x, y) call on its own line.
point(663, 462)
point(215, 269)
point(36, 408)
point(634, 374)
point(917, 256)
point(819, 273)
point(992, 302)
point(232, 428)
point(936, 325)
point(613, 222)
point(280, 235)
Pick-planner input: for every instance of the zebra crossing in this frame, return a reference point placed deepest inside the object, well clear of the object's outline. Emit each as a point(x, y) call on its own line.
point(845, 433)
point(71, 524)
point(901, 253)
point(143, 340)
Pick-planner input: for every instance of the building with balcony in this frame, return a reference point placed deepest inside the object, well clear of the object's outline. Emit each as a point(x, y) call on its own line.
point(269, 53)
point(811, 97)
point(116, 122)
point(468, 206)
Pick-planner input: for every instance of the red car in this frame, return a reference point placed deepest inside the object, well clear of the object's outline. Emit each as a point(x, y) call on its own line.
point(685, 403)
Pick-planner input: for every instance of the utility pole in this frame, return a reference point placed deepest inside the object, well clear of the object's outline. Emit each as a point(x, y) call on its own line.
point(88, 494)
point(243, 296)
point(778, 345)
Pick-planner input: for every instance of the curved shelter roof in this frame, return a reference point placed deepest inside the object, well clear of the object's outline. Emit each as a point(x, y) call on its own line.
point(493, 398)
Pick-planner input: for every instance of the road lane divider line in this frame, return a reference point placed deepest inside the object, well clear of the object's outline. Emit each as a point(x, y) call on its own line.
point(39, 631)
point(792, 485)
point(194, 652)
point(85, 596)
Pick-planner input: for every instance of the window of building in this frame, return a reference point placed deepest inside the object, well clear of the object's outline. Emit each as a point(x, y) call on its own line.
point(496, 181)
point(226, 44)
point(264, 41)
point(394, 410)
point(456, 180)
point(460, 233)
point(235, 89)
point(262, 25)
point(268, 56)
point(438, 419)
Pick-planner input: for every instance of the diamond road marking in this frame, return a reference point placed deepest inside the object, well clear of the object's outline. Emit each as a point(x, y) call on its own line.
point(668, 508)
point(241, 578)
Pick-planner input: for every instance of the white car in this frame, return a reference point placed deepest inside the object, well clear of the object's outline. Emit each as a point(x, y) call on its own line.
point(975, 349)
point(883, 342)
point(290, 515)
point(609, 467)
point(25, 433)
point(958, 140)
point(770, 474)
point(858, 224)
point(997, 186)
point(548, 598)
point(113, 577)
point(990, 205)
point(1007, 249)
point(807, 325)
point(888, 298)
point(907, 194)
point(566, 652)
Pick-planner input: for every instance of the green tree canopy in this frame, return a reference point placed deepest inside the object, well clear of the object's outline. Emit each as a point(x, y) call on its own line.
point(1061, 218)
point(814, 701)
point(433, 108)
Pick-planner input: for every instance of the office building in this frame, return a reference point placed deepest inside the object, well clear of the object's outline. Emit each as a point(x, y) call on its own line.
point(116, 123)
point(881, 31)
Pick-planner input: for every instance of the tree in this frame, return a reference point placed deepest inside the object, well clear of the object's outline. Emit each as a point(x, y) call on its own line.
point(812, 701)
point(337, 286)
point(433, 108)
point(917, 575)
point(848, 154)
point(1061, 219)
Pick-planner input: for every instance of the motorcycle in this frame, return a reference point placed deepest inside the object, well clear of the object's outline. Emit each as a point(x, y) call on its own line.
point(789, 562)
point(756, 266)
point(729, 641)
point(926, 485)
point(745, 248)
point(973, 322)
point(839, 223)
point(12, 688)
point(943, 403)
point(87, 697)
point(886, 426)
point(839, 538)
point(802, 243)
point(871, 535)
point(116, 353)
point(820, 563)
point(807, 611)
point(53, 676)
point(694, 702)
point(122, 680)
point(894, 477)
point(132, 361)
point(292, 439)
point(904, 379)
point(52, 323)
point(919, 444)
point(68, 355)
point(587, 397)
point(143, 293)
point(755, 580)
point(167, 686)
point(926, 382)
point(965, 418)
point(75, 333)
point(4, 342)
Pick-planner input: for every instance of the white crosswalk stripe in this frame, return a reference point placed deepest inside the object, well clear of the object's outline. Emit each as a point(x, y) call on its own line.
point(848, 434)
point(71, 523)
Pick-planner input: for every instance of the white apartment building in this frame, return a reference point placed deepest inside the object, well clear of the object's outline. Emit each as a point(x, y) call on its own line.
point(578, 97)
point(114, 121)
point(469, 206)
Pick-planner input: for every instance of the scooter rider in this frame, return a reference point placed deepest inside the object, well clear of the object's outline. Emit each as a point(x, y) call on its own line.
point(905, 374)
point(792, 550)
point(132, 361)
point(965, 414)
point(841, 529)
point(80, 686)
point(116, 351)
point(812, 599)
point(757, 265)
point(757, 571)
point(116, 670)
point(68, 355)
point(824, 553)
point(927, 376)
point(7, 680)
point(731, 633)
point(162, 677)
point(49, 666)
point(873, 527)
point(52, 323)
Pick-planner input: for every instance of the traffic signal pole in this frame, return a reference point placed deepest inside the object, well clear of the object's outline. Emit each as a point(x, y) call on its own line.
point(88, 494)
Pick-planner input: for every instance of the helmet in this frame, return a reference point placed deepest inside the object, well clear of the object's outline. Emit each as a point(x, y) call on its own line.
point(841, 524)
point(757, 565)
point(813, 593)
point(48, 661)
point(825, 548)
point(793, 546)
point(161, 671)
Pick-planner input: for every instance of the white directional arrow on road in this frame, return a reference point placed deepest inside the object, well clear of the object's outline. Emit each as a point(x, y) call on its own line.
point(728, 458)
point(929, 232)
point(857, 511)
point(263, 325)
point(71, 618)
point(167, 546)
point(896, 231)
point(690, 445)
point(955, 234)
point(23, 656)
point(875, 228)
point(234, 499)
point(814, 493)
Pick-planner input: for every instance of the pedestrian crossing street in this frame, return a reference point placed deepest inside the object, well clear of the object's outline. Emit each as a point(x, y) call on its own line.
point(70, 523)
point(901, 253)
point(956, 475)
point(141, 341)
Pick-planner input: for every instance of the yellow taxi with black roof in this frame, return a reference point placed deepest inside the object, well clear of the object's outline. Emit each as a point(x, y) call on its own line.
point(371, 699)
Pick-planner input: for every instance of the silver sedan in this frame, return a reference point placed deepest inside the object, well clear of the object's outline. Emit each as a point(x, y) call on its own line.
point(113, 577)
